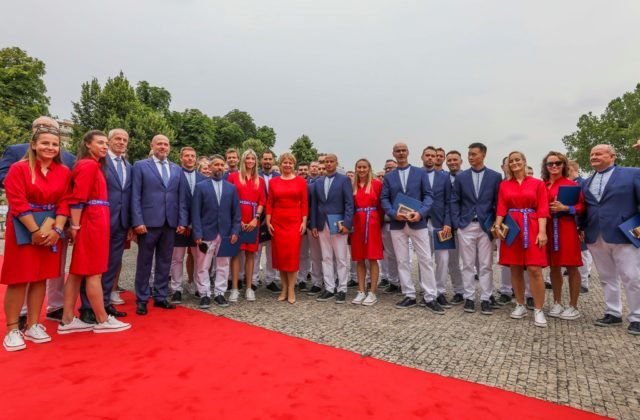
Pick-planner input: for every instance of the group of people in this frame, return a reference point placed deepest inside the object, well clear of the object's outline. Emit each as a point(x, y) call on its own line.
point(220, 213)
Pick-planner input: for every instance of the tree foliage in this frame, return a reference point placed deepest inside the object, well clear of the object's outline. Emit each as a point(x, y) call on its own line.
point(256, 145)
point(303, 149)
point(11, 131)
point(619, 126)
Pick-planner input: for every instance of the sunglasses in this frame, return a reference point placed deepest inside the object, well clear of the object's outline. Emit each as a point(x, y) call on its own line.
point(557, 163)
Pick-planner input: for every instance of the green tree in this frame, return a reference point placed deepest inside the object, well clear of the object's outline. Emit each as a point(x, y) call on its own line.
point(156, 98)
point(195, 129)
point(244, 121)
point(254, 144)
point(303, 149)
point(11, 131)
point(267, 136)
point(228, 134)
point(23, 93)
point(619, 126)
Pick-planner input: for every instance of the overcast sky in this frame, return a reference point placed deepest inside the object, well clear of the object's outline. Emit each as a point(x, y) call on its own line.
point(356, 76)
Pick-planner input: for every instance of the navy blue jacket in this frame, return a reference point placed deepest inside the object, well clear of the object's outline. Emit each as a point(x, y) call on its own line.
point(153, 204)
point(417, 188)
point(464, 204)
point(440, 213)
point(340, 201)
point(119, 197)
point(208, 219)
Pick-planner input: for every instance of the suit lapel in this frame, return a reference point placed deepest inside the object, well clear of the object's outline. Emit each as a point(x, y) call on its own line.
point(152, 167)
point(612, 178)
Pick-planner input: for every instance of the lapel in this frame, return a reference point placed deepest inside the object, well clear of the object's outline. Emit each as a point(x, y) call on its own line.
point(152, 167)
point(612, 178)
point(586, 188)
point(333, 184)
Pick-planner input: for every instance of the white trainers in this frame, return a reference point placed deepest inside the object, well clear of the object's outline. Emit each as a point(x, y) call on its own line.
point(371, 299)
point(556, 310)
point(538, 318)
point(74, 326)
point(111, 325)
point(116, 299)
point(519, 312)
point(359, 298)
point(13, 341)
point(37, 334)
point(570, 313)
point(250, 295)
point(234, 295)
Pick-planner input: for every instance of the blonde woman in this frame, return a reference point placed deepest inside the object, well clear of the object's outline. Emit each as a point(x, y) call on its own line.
point(251, 191)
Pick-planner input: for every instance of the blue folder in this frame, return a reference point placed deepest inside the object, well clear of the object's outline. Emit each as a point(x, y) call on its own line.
point(23, 236)
point(448, 244)
point(410, 202)
point(227, 249)
point(332, 221)
point(514, 229)
point(488, 224)
point(568, 195)
point(629, 225)
point(249, 237)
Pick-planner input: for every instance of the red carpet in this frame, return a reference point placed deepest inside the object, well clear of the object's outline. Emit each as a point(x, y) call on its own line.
point(187, 364)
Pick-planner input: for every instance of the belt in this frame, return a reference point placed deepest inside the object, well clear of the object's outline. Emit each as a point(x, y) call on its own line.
point(98, 203)
point(367, 210)
point(525, 213)
point(253, 204)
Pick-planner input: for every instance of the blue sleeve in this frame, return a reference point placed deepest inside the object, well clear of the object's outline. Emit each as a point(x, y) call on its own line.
point(136, 195)
point(447, 201)
point(385, 200)
point(427, 196)
point(183, 199)
point(8, 158)
point(455, 203)
point(196, 225)
point(347, 190)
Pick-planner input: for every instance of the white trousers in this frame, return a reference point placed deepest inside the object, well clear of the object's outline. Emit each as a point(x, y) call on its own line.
point(334, 247)
point(305, 259)
point(475, 244)
point(315, 255)
point(585, 269)
point(618, 263)
point(441, 259)
point(389, 263)
point(420, 243)
point(203, 262)
point(177, 266)
point(269, 272)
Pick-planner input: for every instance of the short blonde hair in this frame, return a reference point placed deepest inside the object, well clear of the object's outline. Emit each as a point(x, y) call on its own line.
point(287, 156)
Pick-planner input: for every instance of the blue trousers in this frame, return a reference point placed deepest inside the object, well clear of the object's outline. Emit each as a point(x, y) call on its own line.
point(159, 242)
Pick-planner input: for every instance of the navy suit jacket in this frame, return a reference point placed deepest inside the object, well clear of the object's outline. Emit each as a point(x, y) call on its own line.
point(208, 219)
point(417, 188)
point(153, 204)
point(464, 203)
point(619, 202)
point(16, 152)
point(119, 197)
point(340, 201)
point(440, 213)
point(186, 198)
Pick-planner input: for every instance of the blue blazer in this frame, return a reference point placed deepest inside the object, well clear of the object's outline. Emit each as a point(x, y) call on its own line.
point(340, 201)
point(417, 188)
point(464, 203)
point(620, 201)
point(184, 219)
point(440, 213)
point(207, 218)
point(153, 204)
point(119, 197)
point(16, 152)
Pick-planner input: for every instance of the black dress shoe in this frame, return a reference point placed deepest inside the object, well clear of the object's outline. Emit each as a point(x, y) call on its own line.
point(341, 297)
point(457, 299)
point(442, 301)
point(406, 303)
point(392, 288)
point(88, 316)
point(221, 301)
point(485, 308)
point(111, 310)
point(141, 308)
point(634, 328)
point(55, 315)
point(164, 304)
point(469, 306)
point(608, 321)
point(352, 283)
point(273, 287)
point(177, 297)
point(314, 291)
point(434, 307)
point(325, 296)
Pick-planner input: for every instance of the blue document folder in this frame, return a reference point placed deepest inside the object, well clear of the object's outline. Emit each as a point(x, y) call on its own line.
point(333, 220)
point(249, 237)
point(402, 199)
point(514, 229)
point(488, 224)
point(630, 228)
point(23, 236)
point(448, 244)
point(568, 195)
point(227, 249)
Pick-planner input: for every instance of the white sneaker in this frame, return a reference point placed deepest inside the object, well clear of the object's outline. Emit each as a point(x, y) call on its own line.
point(570, 313)
point(538, 318)
point(250, 295)
point(13, 341)
point(37, 334)
point(519, 312)
point(556, 310)
point(111, 325)
point(74, 326)
point(234, 295)
point(370, 299)
point(116, 299)
point(359, 298)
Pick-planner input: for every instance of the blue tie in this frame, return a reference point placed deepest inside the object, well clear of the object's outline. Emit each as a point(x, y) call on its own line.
point(120, 170)
point(165, 173)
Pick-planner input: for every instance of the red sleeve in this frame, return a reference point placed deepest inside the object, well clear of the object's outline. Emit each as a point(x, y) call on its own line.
point(542, 201)
point(501, 209)
point(270, 199)
point(262, 199)
point(84, 178)
point(304, 197)
point(15, 185)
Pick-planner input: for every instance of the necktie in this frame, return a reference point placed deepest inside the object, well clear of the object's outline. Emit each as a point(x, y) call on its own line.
point(327, 186)
point(165, 172)
point(120, 170)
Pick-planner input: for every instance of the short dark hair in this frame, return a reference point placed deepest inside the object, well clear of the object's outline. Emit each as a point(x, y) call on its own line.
point(478, 145)
point(390, 160)
point(268, 151)
point(302, 164)
point(429, 148)
point(454, 152)
point(440, 149)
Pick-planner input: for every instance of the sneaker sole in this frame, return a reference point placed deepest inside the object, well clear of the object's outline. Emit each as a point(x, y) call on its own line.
point(518, 316)
point(204, 306)
point(356, 303)
point(340, 302)
point(251, 300)
point(222, 306)
point(540, 325)
point(37, 340)
point(323, 300)
point(369, 303)
point(76, 330)
point(50, 318)
point(14, 348)
point(633, 332)
point(117, 302)
point(436, 312)
point(486, 312)
point(111, 330)
point(470, 311)
point(233, 300)
point(406, 307)
point(598, 324)
point(569, 318)
point(553, 315)
point(456, 303)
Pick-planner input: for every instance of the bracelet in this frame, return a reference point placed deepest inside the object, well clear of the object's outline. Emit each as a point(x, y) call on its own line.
point(59, 232)
point(32, 232)
point(75, 227)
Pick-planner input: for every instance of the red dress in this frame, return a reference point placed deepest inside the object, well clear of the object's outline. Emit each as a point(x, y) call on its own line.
point(32, 263)
point(372, 249)
point(531, 194)
point(287, 204)
point(249, 193)
point(91, 247)
point(568, 253)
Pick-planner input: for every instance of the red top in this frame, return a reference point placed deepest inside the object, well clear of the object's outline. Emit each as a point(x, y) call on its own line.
point(563, 249)
point(371, 231)
point(249, 193)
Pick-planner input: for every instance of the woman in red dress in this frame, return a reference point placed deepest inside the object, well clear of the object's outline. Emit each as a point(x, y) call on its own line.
point(90, 235)
point(366, 239)
point(287, 212)
point(524, 198)
point(251, 192)
point(564, 242)
point(38, 183)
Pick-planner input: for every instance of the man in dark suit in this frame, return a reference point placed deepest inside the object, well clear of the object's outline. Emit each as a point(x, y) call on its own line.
point(412, 182)
point(155, 202)
point(612, 196)
point(332, 194)
point(215, 218)
point(474, 199)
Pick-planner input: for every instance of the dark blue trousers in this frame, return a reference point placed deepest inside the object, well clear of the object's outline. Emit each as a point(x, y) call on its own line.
point(158, 242)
